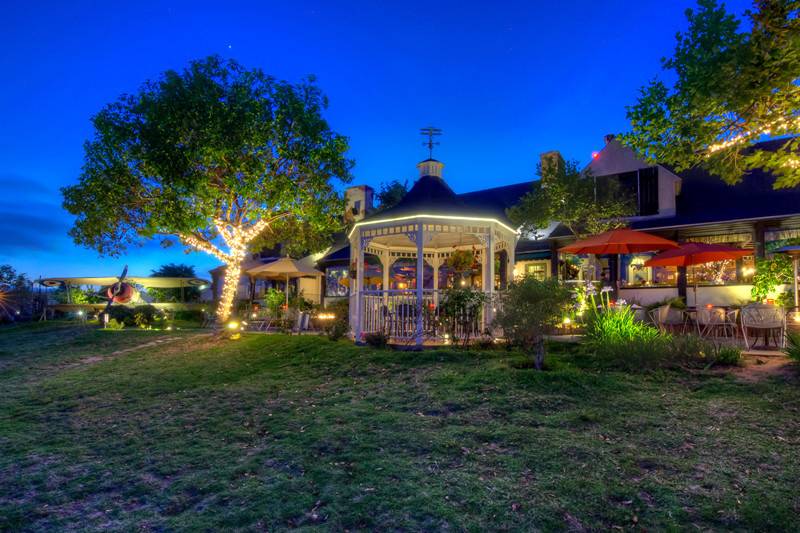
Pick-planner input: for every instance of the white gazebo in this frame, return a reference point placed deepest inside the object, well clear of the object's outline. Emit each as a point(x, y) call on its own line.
point(423, 230)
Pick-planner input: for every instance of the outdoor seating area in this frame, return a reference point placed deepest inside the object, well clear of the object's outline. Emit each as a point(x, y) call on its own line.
point(753, 325)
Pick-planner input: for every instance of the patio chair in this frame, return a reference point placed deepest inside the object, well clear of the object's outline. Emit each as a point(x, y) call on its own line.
point(766, 319)
point(209, 320)
point(711, 321)
point(260, 320)
point(667, 318)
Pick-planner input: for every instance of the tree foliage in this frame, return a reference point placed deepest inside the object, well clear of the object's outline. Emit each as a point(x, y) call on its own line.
point(732, 88)
point(528, 309)
point(582, 203)
point(391, 193)
point(174, 270)
point(217, 155)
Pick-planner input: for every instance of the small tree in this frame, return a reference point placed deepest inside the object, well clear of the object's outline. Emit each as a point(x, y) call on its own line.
point(731, 89)
point(528, 309)
point(218, 156)
point(575, 199)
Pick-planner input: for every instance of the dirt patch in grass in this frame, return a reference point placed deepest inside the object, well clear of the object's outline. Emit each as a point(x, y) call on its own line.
point(757, 368)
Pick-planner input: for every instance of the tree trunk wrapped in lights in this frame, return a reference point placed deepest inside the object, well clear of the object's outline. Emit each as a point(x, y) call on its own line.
point(256, 169)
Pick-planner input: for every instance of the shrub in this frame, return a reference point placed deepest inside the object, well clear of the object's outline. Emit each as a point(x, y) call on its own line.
point(460, 311)
point(769, 274)
point(115, 324)
point(140, 316)
point(618, 325)
point(528, 308)
point(339, 326)
point(273, 301)
point(189, 315)
point(122, 314)
point(792, 348)
point(691, 351)
point(377, 340)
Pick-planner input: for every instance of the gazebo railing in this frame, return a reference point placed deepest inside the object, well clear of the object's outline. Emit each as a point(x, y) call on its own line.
point(394, 313)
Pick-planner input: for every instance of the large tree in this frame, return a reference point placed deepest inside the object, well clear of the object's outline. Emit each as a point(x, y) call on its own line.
point(731, 88)
point(584, 204)
point(216, 155)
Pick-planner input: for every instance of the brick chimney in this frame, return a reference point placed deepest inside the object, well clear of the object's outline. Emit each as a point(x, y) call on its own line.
point(551, 159)
point(358, 202)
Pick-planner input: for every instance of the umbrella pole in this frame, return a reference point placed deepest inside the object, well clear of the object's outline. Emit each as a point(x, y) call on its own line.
point(794, 266)
point(286, 292)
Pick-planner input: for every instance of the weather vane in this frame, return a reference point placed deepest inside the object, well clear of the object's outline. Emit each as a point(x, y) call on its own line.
point(430, 132)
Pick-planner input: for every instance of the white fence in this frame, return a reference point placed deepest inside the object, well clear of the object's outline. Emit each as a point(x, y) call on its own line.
point(395, 312)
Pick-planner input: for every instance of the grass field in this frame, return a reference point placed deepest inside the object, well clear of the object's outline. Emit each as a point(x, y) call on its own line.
point(277, 432)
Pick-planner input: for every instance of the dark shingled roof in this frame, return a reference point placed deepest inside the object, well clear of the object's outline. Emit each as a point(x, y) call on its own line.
point(704, 199)
point(431, 195)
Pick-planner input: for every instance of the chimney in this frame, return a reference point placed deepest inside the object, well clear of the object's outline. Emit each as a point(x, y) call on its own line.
point(358, 202)
point(550, 160)
point(430, 167)
point(608, 137)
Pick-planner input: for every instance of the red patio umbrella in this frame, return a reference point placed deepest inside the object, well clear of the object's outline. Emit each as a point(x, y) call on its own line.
point(619, 241)
point(697, 253)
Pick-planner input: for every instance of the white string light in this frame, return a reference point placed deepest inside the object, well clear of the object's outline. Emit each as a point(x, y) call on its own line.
point(237, 239)
point(778, 127)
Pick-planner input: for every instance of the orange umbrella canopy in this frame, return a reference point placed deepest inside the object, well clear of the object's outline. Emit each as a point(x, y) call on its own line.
point(697, 253)
point(619, 241)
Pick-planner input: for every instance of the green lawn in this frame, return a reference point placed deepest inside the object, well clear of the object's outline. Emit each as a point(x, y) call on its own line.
point(277, 432)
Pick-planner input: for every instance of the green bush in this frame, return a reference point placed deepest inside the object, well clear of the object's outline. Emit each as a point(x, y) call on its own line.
point(679, 352)
point(115, 325)
point(122, 314)
point(769, 274)
point(792, 348)
point(460, 311)
point(615, 325)
point(141, 316)
point(340, 326)
point(528, 309)
point(189, 315)
point(377, 340)
point(691, 351)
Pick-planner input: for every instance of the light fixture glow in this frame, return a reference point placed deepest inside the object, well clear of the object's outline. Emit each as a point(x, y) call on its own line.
point(437, 217)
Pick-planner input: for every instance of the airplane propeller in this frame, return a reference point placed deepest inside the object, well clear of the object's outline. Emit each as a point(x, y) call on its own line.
point(115, 290)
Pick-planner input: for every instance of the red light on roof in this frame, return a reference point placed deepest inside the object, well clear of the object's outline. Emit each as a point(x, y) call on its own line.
point(595, 155)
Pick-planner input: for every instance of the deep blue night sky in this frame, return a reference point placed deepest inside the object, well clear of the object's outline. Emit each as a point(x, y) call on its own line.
point(505, 81)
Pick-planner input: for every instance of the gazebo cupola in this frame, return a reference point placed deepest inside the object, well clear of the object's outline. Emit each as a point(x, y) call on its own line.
point(407, 248)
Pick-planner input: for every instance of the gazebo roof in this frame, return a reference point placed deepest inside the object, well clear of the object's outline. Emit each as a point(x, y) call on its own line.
point(431, 195)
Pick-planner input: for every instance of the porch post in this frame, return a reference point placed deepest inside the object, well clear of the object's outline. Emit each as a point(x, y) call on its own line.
point(488, 277)
point(437, 262)
point(420, 281)
point(359, 284)
point(386, 264)
point(510, 266)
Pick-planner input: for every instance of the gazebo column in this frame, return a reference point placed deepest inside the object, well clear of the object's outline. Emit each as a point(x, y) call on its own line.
point(386, 265)
point(359, 286)
point(488, 277)
point(420, 281)
point(436, 263)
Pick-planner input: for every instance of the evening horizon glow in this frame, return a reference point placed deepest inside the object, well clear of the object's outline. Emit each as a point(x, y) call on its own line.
point(503, 84)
